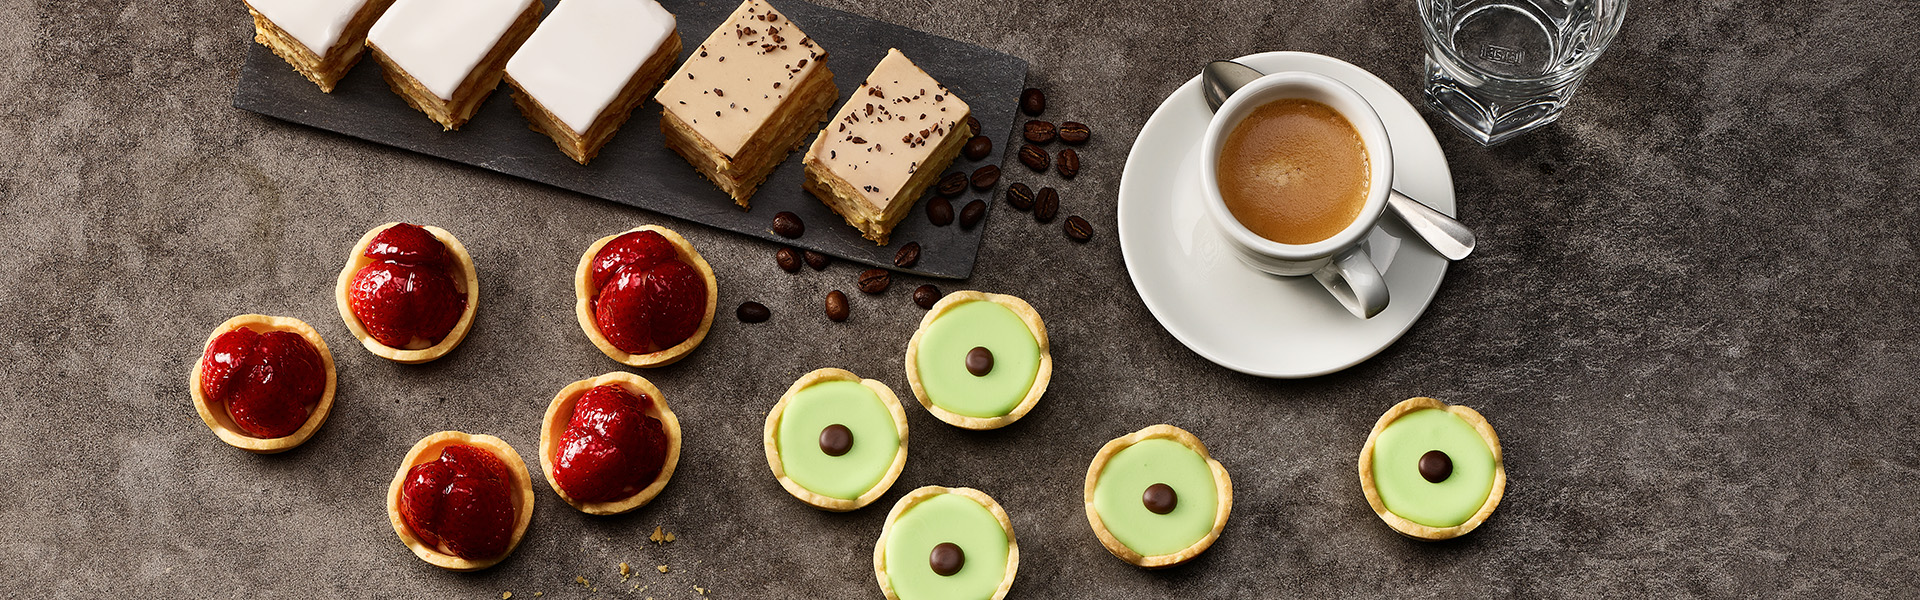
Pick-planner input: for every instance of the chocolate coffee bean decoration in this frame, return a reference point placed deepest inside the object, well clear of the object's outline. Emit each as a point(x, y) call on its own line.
point(1047, 206)
point(1038, 132)
point(973, 213)
point(984, 178)
point(1020, 196)
point(946, 559)
point(1069, 163)
point(908, 255)
point(874, 281)
point(1033, 102)
point(788, 225)
point(940, 211)
point(1160, 498)
point(1436, 466)
point(837, 309)
point(979, 361)
point(1034, 158)
point(1075, 133)
point(788, 259)
point(973, 125)
point(836, 440)
point(951, 184)
point(924, 296)
point(817, 260)
point(752, 312)
point(1078, 229)
point(977, 147)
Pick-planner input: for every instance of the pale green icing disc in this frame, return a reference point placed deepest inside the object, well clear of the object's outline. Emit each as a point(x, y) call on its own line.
point(941, 519)
point(1396, 468)
point(943, 360)
point(1117, 496)
point(875, 439)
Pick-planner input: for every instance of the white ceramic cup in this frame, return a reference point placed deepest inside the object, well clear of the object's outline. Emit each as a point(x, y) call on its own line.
point(1340, 263)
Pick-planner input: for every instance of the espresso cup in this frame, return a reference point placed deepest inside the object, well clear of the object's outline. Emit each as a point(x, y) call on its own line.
point(1340, 263)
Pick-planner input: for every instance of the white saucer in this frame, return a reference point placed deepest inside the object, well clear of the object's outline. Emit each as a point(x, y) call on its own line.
point(1245, 320)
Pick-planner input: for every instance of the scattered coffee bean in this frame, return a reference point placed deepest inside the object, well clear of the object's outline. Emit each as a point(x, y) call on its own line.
point(973, 125)
point(1075, 133)
point(1034, 158)
point(977, 147)
point(837, 309)
point(908, 255)
point(1038, 132)
point(939, 211)
point(951, 184)
point(1069, 163)
point(1160, 499)
point(979, 361)
point(1078, 229)
point(1033, 102)
point(788, 225)
point(752, 312)
point(973, 213)
point(874, 281)
point(1020, 196)
point(984, 178)
point(1047, 205)
point(926, 295)
point(836, 439)
point(788, 258)
point(1436, 466)
point(817, 260)
point(946, 559)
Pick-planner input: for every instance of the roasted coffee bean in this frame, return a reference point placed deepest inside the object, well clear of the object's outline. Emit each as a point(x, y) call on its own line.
point(973, 125)
point(1069, 163)
point(1160, 499)
point(836, 439)
point(985, 177)
point(817, 260)
point(788, 258)
point(1034, 158)
point(1020, 196)
point(977, 147)
point(1033, 102)
point(926, 295)
point(1075, 133)
point(1436, 466)
point(788, 225)
point(973, 213)
point(752, 312)
point(951, 184)
point(874, 281)
point(1078, 229)
point(1038, 132)
point(946, 559)
point(939, 211)
point(979, 361)
point(908, 255)
point(837, 309)
point(1047, 205)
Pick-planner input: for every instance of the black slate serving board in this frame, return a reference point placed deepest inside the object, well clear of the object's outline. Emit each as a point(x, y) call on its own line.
point(636, 169)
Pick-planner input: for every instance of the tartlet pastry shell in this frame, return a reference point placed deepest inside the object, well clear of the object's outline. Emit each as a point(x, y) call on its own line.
point(428, 449)
point(1222, 484)
point(222, 424)
point(1416, 530)
point(583, 305)
point(924, 493)
point(1041, 377)
point(560, 411)
point(463, 274)
point(808, 496)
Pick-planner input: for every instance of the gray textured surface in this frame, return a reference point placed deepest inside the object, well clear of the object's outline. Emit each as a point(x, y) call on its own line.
point(1691, 320)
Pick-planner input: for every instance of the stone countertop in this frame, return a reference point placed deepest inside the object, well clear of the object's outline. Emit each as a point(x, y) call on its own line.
point(1691, 320)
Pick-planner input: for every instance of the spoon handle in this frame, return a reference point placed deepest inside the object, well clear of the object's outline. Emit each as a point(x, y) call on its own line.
point(1450, 237)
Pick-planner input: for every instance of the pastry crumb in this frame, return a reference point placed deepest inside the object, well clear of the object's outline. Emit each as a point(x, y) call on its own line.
point(505, 595)
point(660, 535)
point(582, 581)
point(663, 568)
point(701, 590)
point(625, 572)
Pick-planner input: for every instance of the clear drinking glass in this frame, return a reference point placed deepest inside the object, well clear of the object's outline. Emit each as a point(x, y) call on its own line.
point(1498, 68)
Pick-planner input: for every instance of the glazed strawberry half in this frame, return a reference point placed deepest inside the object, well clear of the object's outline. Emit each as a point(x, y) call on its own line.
point(611, 448)
point(647, 298)
point(406, 297)
point(269, 383)
point(462, 503)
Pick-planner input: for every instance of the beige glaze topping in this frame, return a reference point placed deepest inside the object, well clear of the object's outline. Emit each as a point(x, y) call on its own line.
point(737, 79)
point(891, 126)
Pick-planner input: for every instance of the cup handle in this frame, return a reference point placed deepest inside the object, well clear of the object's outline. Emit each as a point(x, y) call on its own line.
point(1353, 280)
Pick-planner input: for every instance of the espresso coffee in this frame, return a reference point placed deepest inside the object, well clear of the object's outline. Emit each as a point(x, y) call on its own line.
point(1294, 171)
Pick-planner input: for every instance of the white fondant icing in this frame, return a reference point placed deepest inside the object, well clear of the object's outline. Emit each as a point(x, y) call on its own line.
point(317, 24)
point(584, 53)
point(439, 42)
